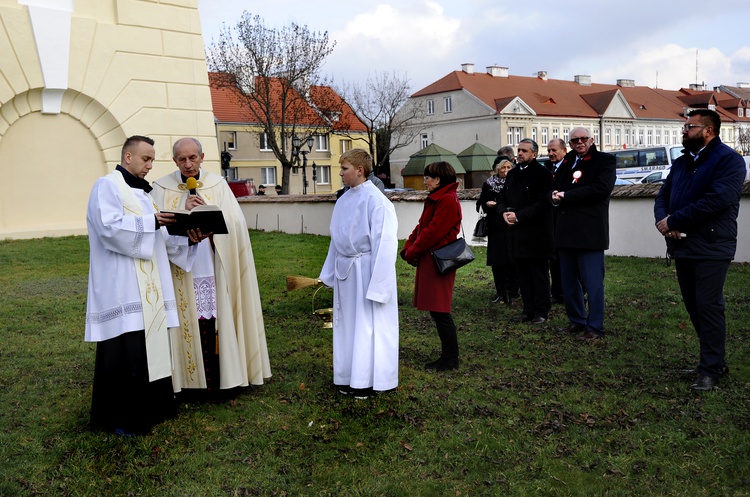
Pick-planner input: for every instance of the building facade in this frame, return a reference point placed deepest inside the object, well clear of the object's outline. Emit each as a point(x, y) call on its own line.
point(498, 109)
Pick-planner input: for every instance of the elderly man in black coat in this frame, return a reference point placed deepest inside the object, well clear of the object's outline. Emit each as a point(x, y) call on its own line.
point(529, 217)
point(582, 186)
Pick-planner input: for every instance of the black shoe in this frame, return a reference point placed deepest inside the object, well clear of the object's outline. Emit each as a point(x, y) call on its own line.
point(523, 318)
point(345, 389)
point(362, 393)
point(443, 364)
point(496, 300)
point(694, 371)
point(704, 384)
point(538, 320)
point(591, 337)
point(571, 328)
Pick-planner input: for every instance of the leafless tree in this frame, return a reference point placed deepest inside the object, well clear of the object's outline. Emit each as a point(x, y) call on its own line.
point(271, 71)
point(382, 103)
point(743, 140)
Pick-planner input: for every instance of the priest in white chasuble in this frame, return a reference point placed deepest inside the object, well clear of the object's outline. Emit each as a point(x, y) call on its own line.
point(131, 300)
point(361, 268)
point(220, 344)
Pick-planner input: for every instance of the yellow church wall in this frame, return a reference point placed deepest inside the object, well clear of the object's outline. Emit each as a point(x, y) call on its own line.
point(128, 67)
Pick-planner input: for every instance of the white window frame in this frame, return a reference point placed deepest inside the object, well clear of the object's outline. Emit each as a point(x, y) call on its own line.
point(346, 145)
point(321, 143)
point(265, 177)
point(231, 142)
point(424, 141)
point(430, 107)
point(545, 135)
point(263, 143)
point(448, 105)
point(323, 173)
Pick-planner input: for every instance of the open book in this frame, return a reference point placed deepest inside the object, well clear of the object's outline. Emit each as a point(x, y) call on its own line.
point(207, 218)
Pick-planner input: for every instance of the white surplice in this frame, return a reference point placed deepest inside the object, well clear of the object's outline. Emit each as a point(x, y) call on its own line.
point(116, 239)
point(361, 268)
point(226, 274)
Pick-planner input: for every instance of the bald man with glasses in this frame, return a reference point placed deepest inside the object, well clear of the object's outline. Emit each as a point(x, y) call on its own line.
point(580, 196)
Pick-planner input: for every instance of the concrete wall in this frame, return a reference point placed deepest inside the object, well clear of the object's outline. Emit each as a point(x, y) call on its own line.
point(632, 231)
point(76, 79)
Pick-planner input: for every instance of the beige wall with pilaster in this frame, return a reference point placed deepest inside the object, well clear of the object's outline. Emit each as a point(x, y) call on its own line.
point(76, 79)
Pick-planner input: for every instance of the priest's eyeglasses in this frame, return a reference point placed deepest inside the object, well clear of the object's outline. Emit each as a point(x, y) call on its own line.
point(687, 127)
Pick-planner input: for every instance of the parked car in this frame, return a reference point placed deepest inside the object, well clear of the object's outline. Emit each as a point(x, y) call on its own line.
point(656, 176)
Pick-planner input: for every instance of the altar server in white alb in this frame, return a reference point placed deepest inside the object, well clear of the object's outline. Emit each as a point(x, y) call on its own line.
point(361, 268)
point(131, 300)
point(220, 344)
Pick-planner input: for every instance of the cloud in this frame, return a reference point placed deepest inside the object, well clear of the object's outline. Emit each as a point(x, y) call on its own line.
point(411, 37)
point(671, 67)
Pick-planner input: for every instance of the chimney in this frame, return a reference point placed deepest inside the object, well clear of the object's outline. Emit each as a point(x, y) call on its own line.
point(542, 75)
point(626, 83)
point(497, 71)
point(468, 68)
point(583, 79)
point(697, 86)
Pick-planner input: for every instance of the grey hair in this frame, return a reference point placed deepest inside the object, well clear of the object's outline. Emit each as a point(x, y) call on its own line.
point(534, 145)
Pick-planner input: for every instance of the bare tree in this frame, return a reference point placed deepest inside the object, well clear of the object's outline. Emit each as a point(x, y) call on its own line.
point(271, 71)
point(382, 103)
point(743, 140)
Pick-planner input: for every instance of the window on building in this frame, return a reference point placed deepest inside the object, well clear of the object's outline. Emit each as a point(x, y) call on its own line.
point(566, 135)
point(321, 142)
point(230, 140)
point(617, 138)
point(596, 136)
point(674, 137)
point(556, 133)
point(657, 137)
point(514, 135)
point(607, 137)
point(545, 135)
point(448, 103)
point(268, 175)
point(346, 145)
point(627, 138)
point(423, 141)
point(740, 112)
point(324, 175)
point(533, 134)
point(650, 137)
point(430, 107)
point(640, 137)
point(264, 145)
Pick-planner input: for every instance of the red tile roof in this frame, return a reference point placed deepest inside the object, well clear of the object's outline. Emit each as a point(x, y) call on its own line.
point(554, 97)
point(230, 106)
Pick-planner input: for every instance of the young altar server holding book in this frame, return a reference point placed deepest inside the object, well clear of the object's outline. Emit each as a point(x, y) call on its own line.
point(361, 268)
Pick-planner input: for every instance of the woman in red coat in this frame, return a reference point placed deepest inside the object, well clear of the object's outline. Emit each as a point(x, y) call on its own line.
point(439, 224)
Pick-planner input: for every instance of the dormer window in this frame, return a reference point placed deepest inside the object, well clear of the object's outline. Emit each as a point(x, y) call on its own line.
point(740, 112)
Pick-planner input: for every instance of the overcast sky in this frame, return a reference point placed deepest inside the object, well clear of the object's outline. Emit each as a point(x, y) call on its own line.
point(654, 42)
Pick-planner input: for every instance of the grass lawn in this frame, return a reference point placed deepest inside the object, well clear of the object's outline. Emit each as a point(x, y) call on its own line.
point(530, 411)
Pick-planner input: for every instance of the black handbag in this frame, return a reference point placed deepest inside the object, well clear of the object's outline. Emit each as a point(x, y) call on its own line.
point(452, 256)
point(480, 230)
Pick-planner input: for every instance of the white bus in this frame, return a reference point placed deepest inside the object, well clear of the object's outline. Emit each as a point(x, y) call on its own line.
point(633, 164)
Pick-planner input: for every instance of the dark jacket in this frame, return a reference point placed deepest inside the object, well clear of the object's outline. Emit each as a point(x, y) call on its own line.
point(702, 199)
point(497, 229)
point(439, 225)
point(526, 193)
point(582, 218)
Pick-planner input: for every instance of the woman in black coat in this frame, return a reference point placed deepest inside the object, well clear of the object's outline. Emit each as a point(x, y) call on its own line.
point(498, 256)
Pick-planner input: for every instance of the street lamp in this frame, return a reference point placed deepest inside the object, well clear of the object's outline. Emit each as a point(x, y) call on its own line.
point(296, 144)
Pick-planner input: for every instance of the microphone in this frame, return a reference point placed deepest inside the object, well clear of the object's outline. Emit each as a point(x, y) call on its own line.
point(191, 185)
